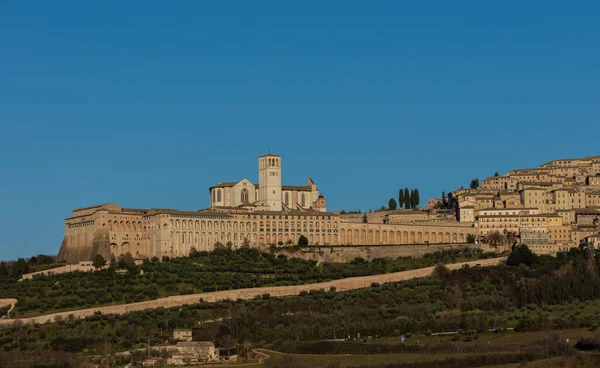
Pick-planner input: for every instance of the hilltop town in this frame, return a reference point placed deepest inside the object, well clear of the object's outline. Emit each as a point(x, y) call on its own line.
point(220, 275)
point(551, 208)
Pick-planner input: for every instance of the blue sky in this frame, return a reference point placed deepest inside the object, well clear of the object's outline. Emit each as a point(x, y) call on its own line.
point(147, 104)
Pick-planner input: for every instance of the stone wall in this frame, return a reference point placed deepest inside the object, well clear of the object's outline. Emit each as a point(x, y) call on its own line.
point(274, 291)
point(84, 266)
point(349, 253)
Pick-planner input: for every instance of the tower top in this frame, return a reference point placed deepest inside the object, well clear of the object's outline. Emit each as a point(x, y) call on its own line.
point(269, 155)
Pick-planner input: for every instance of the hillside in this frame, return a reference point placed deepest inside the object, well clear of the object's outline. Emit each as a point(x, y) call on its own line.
point(222, 269)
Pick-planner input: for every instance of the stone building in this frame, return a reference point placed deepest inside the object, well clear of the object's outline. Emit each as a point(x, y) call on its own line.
point(182, 334)
point(269, 194)
point(244, 214)
point(193, 352)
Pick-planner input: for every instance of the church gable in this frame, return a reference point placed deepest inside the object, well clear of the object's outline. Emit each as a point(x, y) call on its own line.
point(244, 183)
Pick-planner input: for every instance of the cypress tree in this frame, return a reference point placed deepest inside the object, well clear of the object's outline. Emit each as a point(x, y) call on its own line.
point(406, 199)
point(400, 198)
point(392, 204)
point(444, 200)
point(416, 198)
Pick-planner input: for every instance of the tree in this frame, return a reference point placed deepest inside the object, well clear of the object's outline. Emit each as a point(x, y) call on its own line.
point(406, 199)
point(440, 271)
point(113, 261)
point(19, 268)
point(392, 204)
point(416, 198)
point(474, 184)
point(302, 241)
point(193, 252)
point(127, 261)
point(400, 198)
point(444, 200)
point(521, 254)
point(246, 243)
point(365, 220)
point(99, 261)
point(3, 269)
point(470, 238)
point(496, 174)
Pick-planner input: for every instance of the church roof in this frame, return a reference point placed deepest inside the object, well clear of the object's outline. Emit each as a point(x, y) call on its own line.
point(224, 184)
point(300, 188)
point(229, 184)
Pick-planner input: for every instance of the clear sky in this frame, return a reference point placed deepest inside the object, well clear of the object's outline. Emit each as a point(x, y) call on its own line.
point(148, 104)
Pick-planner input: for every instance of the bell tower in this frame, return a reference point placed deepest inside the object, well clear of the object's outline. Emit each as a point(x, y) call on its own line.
point(269, 181)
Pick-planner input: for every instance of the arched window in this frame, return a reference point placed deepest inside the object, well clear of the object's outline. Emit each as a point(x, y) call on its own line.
point(218, 195)
point(244, 195)
point(303, 200)
point(287, 198)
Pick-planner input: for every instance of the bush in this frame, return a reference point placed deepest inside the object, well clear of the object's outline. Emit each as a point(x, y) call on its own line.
point(440, 271)
point(302, 241)
point(521, 254)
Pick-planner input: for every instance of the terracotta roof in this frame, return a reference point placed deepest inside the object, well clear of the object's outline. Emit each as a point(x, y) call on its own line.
point(224, 184)
point(195, 213)
point(90, 207)
point(407, 212)
point(307, 212)
point(300, 188)
point(134, 210)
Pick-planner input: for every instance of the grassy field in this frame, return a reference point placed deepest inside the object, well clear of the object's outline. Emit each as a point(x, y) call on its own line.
point(348, 360)
point(277, 359)
point(505, 342)
point(504, 339)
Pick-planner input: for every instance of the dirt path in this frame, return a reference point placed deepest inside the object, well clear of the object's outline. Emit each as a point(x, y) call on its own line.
point(274, 291)
point(5, 302)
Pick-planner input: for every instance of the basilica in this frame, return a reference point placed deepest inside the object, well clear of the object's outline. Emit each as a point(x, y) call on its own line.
point(240, 214)
point(268, 194)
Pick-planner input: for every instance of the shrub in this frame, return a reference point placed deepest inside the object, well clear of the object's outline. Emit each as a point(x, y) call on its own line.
point(302, 241)
point(440, 271)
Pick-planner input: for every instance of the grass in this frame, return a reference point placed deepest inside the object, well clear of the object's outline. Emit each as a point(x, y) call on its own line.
point(502, 340)
point(351, 360)
point(354, 360)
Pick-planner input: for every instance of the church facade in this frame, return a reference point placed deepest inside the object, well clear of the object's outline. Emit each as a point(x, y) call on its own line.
point(240, 214)
point(269, 194)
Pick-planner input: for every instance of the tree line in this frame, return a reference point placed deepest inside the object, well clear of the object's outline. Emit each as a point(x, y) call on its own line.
point(407, 199)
